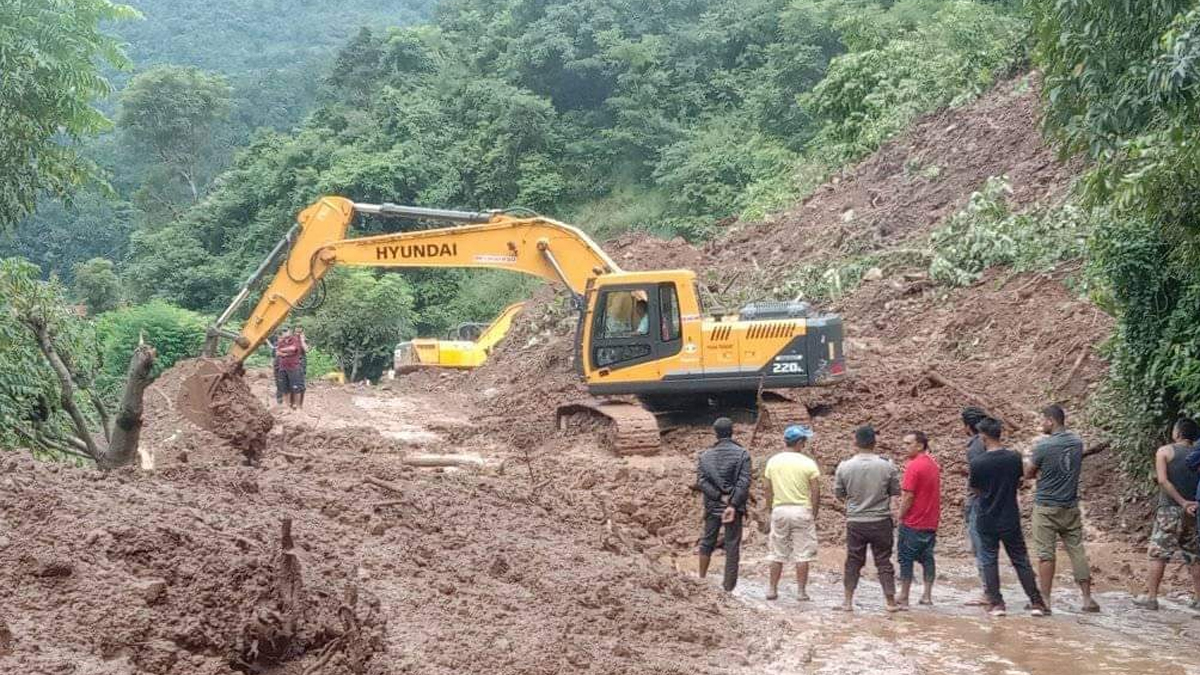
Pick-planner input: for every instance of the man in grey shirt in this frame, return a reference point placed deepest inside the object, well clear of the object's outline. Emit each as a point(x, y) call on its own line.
point(1055, 462)
point(866, 483)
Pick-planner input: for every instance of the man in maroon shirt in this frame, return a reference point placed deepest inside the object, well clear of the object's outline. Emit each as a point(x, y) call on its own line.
point(920, 510)
point(289, 352)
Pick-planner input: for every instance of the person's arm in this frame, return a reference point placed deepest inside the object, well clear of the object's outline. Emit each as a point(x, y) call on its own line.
point(705, 483)
point(894, 482)
point(814, 495)
point(1193, 459)
point(1160, 470)
point(839, 485)
point(974, 482)
point(1034, 464)
point(906, 502)
point(303, 344)
point(741, 491)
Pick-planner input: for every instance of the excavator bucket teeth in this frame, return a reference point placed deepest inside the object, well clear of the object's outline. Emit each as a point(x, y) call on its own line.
point(626, 428)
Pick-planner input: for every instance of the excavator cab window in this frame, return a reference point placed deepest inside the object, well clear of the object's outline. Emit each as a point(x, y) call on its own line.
point(635, 324)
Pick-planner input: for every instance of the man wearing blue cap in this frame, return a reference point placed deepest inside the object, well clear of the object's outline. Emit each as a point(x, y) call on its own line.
point(793, 495)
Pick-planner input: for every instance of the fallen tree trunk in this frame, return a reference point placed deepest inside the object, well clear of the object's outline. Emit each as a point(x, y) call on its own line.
point(442, 460)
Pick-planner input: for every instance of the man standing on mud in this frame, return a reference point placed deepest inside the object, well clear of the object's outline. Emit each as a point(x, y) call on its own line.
point(288, 351)
point(920, 511)
point(793, 499)
point(996, 477)
point(723, 475)
point(867, 483)
point(971, 416)
point(1055, 462)
point(1175, 518)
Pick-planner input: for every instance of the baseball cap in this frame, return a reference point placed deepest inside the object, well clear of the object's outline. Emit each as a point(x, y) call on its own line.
point(796, 432)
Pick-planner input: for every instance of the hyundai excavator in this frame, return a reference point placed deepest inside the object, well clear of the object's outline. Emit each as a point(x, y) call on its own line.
point(640, 334)
point(466, 347)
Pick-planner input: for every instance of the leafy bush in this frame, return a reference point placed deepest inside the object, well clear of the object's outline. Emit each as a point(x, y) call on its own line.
point(986, 234)
point(97, 285)
point(320, 363)
point(363, 318)
point(174, 332)
point(819, 283)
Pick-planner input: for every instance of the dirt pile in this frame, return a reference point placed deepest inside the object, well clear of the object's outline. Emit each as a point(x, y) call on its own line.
point(199, 411)
point(187, 571)
point(391, 570)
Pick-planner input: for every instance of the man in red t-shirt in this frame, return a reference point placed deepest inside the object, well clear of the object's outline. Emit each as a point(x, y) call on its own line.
point(288, 351)
point(920, 510)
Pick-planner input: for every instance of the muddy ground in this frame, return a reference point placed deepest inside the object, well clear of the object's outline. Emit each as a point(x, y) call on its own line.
point(544, 553)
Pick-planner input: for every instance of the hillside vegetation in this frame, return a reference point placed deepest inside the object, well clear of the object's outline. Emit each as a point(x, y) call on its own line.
point(679, 118)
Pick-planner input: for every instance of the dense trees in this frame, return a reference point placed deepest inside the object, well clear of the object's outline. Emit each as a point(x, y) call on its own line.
point(1123, 86)
point(703, 109)
point(171, 114)
point(51, 53)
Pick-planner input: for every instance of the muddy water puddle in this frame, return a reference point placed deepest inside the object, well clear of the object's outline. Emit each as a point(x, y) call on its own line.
point(952, 637)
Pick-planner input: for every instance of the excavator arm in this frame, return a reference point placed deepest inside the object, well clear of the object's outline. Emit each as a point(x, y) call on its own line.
point(530, 245)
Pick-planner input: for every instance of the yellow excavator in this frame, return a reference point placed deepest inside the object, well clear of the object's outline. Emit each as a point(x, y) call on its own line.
point(638, 333)
point(466, 346)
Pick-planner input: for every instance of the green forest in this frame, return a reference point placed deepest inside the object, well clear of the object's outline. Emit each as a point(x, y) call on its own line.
point(192, 135)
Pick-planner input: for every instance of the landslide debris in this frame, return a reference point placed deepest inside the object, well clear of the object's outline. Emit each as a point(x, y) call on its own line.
point(183, 571)
point(200, 410)
point(1010, 342)
point(186, 570)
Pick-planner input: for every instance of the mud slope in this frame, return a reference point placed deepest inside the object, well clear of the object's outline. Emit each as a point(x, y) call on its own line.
point(918, 353)
point(902, 191)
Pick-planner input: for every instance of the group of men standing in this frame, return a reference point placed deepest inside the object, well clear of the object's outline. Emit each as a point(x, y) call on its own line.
point(867, 484)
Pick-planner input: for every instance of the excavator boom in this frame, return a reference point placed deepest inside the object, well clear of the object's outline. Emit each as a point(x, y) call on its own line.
point(535, 245)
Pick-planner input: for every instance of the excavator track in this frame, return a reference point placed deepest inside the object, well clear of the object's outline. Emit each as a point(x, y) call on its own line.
point(625, 429)
point(777, 409)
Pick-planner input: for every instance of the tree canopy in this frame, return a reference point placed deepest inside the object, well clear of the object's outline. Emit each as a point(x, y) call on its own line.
point(51, 54)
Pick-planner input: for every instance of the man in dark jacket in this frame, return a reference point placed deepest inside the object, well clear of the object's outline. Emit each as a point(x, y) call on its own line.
point(723, 475)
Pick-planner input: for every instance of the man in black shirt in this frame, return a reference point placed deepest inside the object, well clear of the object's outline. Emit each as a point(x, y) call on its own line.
point(723, 475)
point(995, 477)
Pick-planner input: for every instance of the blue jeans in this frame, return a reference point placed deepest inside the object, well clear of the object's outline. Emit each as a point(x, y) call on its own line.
point(915, 546)
point(973, 533)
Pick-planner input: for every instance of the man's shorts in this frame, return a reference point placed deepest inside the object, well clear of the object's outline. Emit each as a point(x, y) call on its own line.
point(293, 380)
point(793, 536)
point(1174, 532)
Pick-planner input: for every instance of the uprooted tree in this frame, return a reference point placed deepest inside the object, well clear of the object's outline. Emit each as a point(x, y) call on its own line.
point(49, 359)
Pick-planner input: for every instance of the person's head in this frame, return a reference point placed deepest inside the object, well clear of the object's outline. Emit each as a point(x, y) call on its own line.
point(723, 428)
point(915, 442)
point(864, 437)
point(991, 430)
point(796, 436)
point(1186, 431)
point(971, 417)
point(1053, 417)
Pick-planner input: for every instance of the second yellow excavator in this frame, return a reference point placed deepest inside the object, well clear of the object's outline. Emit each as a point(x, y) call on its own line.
point(466, 347)
point(638, 333)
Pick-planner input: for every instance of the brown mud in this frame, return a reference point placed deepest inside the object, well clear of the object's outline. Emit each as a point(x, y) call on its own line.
point(551, 555)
